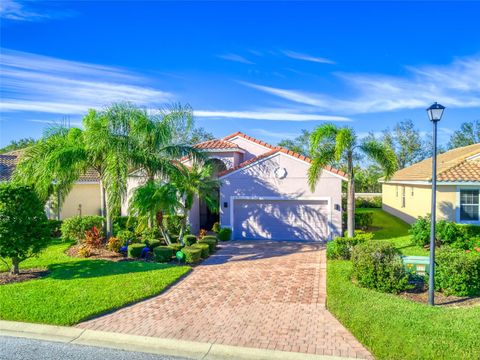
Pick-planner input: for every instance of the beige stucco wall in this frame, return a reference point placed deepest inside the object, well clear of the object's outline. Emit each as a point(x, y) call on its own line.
point(419, 203)
point(86, 195)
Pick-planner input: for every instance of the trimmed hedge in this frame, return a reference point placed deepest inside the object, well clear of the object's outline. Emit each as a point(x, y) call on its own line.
point(224, 234)
point(216, 227)
point(74, 227)
point(341, 247)
point(371, 202)
point(189, 240)
point(378, 265)
point(192, 254)
point(204, 247)
point(163, 253)
point(135, 250)
point(212, 243)
point(127, 236)
point(457, 272)
point(152, 244)
point(175, 246)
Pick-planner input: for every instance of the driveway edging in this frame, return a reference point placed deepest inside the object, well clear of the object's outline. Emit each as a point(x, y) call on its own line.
point(153, 345)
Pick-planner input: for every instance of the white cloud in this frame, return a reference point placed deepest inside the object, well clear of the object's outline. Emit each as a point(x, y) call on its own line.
point(27, 11)
point(306, 57)
point(455, 85)
point(32, 82)
point(277, 135)
point(236, 58)
point(268, 115)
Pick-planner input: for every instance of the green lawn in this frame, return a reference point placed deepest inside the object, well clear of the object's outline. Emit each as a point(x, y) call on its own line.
point(78, 289)
point(395, 328)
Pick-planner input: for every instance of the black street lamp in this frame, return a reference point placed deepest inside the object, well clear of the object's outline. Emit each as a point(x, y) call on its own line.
point(435, 113)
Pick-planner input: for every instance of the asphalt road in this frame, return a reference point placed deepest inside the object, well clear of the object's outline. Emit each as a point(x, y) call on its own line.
point(12, 348)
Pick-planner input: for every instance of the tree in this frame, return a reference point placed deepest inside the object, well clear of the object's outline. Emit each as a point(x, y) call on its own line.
point(198, 135)
point(407, 143)
point(24, 229)
point(366, 179)
point(301, 144)
point(197, 182)
point(330, 144)
point(18, 144)
point(468, 134)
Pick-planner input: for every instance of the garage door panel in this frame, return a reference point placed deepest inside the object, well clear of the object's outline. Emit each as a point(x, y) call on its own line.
point(281, 219)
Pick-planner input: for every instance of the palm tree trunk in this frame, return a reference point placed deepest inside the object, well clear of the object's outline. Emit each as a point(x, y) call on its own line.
point(350, 198)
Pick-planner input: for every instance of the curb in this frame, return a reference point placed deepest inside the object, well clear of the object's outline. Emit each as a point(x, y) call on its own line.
point(145, 344)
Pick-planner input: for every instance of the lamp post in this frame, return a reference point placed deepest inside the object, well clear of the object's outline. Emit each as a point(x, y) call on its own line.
point(435, 113)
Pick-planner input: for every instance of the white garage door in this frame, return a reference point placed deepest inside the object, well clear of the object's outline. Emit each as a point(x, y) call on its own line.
point(255, 219)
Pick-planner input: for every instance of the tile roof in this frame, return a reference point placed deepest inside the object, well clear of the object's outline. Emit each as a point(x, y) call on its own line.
point(275, 149)
point(239, 133)
point(8, 162)
point(452, 166)
point(217, 144)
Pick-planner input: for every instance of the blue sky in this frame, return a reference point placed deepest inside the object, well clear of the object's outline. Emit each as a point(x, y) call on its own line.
point(267, 69)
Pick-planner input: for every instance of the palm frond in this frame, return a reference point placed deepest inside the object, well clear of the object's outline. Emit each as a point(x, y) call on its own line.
point(382, 154)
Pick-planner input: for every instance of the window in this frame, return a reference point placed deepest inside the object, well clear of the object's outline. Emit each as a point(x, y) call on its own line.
point(403, 196)
point(469, 205)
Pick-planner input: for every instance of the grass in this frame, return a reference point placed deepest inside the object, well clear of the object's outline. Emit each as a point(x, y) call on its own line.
point(78, 289)
point(395, 328)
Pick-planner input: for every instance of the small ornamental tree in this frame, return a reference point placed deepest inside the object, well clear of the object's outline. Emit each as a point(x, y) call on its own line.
point(24, 229)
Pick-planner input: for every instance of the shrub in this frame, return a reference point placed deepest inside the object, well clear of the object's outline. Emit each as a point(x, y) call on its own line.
point(373, 202)
point(114, 244)
point(202, 233)
point(363, 220)
point(121, 223)
point(420, 231)
point(341, 247)
point(457, 272)
point(224, 234)
point(173, 223)
point(55, 228)
point(127, 237)
point(379, 266)
point(189, 240)
point(216, 227)
point(192, 254)
point(152, 244)
point(148, 234)
point(448, 232)
point(93, 238)
point(84, 251)
point(469, 231)
point(136, 250)
point(174, 238)
point(204, 247)
point(24, 229)
point(211, 241)
point(163, 253)
point(175, 246)
point(74, 228)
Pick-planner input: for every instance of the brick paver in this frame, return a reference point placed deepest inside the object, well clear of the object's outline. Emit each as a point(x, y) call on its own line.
point(257, 294)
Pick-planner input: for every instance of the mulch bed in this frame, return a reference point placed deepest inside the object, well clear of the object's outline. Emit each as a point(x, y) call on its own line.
point(98, 254)
point(420, 294)
point(27, 274)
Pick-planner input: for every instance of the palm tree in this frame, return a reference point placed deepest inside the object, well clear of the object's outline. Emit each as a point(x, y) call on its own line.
point(151, 199)
point(330, 145)
point(197, 182)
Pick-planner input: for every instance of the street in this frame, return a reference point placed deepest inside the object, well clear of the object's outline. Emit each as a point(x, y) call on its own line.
point(12, 348)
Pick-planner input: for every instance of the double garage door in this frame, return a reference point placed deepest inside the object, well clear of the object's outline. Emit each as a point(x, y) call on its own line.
point(281, 219)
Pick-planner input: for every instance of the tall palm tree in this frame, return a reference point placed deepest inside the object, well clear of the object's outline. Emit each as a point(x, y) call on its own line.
point(330, 145)
point(197, 182)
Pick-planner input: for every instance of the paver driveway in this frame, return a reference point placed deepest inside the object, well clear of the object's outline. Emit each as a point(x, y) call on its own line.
point(257, 294)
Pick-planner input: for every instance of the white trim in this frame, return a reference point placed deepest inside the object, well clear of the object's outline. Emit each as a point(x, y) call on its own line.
point(223, 150)
point(473, 157)
point(253, 142)
point(279, 198)
point(424, 182)
point(457, 207)
point(273, 155)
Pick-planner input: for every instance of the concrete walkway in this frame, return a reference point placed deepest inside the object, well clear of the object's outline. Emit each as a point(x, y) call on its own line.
point(268, 295)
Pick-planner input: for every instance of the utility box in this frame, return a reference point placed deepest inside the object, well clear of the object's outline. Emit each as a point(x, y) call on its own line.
point(418, 265)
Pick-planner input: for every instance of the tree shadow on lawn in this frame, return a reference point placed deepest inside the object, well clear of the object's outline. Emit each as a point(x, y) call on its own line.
point(97, 268)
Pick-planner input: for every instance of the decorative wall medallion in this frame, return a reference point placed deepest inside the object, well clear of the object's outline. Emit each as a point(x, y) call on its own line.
point(280, 173)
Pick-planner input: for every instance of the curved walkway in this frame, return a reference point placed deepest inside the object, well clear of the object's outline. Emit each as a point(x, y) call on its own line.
point(256, 294)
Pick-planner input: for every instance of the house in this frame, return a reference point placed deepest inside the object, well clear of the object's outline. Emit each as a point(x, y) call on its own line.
point(264, 193)
point(407, 194)
point(83, 198)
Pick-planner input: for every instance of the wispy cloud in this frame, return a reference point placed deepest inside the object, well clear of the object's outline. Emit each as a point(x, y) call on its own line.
point(455, 85)
point(277, 134)
point(32, 82)
point(236, 58)
point(266, 115)
point(30, 11)
point(306, 57)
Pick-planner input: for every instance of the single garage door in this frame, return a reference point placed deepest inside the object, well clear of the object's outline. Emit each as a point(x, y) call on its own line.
point(255, 219)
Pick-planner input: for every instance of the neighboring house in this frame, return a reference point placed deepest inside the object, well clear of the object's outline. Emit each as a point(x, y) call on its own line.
point(407, 194)
point(264, 193)
point(83, 198)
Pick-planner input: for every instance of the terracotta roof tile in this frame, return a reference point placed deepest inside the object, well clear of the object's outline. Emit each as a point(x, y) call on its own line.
point(263, 143)
point(452, 166)
point(217, 144)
